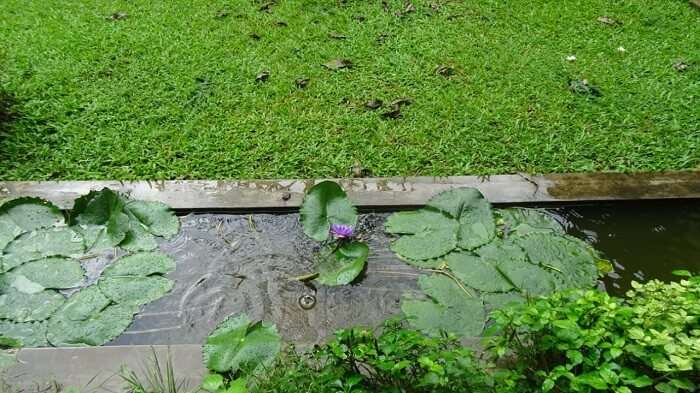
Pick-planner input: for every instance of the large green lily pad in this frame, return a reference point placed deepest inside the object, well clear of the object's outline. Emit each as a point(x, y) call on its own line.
point(18, 306)
point(325, 204)
point(134, 290)
point(521, 221)
point(8, 231)
point(30, 334)
point(477, 272)
point(427, 234)
point(53, 272)
point(84, 304)
point(529, 279)
point(104, 209)
point(343, 265)
point(141, 264)
point(42, 243)
point(32, 213)
point(473, 212)
point(449, 308)
point(157, 217)
point(571, 261)
point(237, 342)
point(98, 329)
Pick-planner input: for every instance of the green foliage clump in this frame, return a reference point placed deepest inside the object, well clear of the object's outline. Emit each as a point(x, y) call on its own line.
point(585, 341)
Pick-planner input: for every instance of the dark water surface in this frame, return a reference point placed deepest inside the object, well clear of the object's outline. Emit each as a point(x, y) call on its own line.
point(233, 263)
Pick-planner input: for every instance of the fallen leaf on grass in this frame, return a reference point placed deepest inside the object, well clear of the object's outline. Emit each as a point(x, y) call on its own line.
point(262, 76)
point(359, 18)
point(336, 35)
point(267, 7)
point(381, 38)
point(680, 66)
point(254, 36)
point(394, 113)
point(444, 70)
point(338, 64)
point(301, 82)
point(221, 14)
point(358, 171)
point(281, 23)
point(606, 20)
point(118, 16)
point(409, 7)
point(399, 102)
point(374, 104)
point(582, 87)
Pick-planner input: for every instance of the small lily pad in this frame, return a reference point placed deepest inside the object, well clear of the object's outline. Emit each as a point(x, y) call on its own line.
point(473, 212)
point(344, 265)
point(238, 342)
point(325, 204)
point(428, 234)
point(141, 264)
point(134, 289)
point(138, 238)
point(519, 221)
point(53, 272)
point(157, 217)
point(42, 243)
point(29, 307)
point(32, 213)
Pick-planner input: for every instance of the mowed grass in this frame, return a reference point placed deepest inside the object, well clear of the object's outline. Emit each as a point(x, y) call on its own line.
point(170, 91)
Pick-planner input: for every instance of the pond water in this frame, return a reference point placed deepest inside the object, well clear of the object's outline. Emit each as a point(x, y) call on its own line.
point(233, 263)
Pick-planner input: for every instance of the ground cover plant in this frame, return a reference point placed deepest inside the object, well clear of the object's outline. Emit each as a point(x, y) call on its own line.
point(290, 88)
point(46, 296)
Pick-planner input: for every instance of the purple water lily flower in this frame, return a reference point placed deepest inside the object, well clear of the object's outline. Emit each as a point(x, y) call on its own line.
point(340, 231)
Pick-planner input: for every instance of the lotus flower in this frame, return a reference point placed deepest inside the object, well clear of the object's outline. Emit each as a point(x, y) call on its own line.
point(340, 231)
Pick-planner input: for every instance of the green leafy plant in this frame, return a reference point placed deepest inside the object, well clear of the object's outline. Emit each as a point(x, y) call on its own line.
point(584, 341)
point(155, 377)
point(328, 216)
point(493, 257)
point(41, 253)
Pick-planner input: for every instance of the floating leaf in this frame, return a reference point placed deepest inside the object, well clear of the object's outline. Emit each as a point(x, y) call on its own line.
point(138, 238)
point(18, 282)
point(344, 265)
point(529, 279)
point(99, 329)
point(84, 304)
point(237, 342)
point(450, 308)
point(135, 290)
point(99, 217)
point(32, 213)
point(29, 307)
point(519, 221)
point(325, 204)
point(41, 244)
point(30, 334)
point(495, 301)
point(476, 224)
point(157, 217)
point(337, 64)
point(8, 231)
point(477, 272)
point(570, 261)
point(142, 264)
point(53, 272)
point(429, 234)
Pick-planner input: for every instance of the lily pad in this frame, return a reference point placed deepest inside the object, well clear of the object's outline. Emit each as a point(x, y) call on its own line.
point(84, 304)
point(157, 217)
point(30, 334)
point(99, 329)
point(477, 272)
point(8, 231)
point(325, 204)
point(18, 306)
point(495, 301)
point(519, 221)
point(32, 213)
point(53, 272)
point(138, 238)
point(571, 262)
point(41, 244)
point(428, 234)
point(142, 264)
point(135, 290)
point(450, 309)
point(529, 279)
point(18, 282)
point(468, 206)
point(238, 342)
point(344, 265)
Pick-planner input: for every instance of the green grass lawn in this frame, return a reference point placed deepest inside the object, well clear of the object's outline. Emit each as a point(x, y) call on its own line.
point(169, 90)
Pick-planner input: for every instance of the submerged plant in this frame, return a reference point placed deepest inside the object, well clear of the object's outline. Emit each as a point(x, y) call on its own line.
point(328, 216)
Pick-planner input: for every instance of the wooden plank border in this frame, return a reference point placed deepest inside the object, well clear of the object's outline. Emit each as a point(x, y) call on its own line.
point(377, 192)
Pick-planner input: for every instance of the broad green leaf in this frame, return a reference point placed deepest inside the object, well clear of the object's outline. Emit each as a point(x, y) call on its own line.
point(325, 204)
point(41, 244)
point(449, 308)
point(32, 213)
point(8, 231)
point(237, 342)
point(53, 272)
point(29, 307)
point(212, 382)
point(530, 279)
point(427, 234)
point(141, 264)
point(521, 221)
point(102, 208)
point(156, 216)
point(98, 329)
point(30, 334)
point(499, 250)
point(138, 238)
point(84, 304)
point(570, 261)
point(343, 265)
point(473, 212)
point(496, 301)
point(477, 272)
point(18, 282)
point(238, 385)
point(135, 290)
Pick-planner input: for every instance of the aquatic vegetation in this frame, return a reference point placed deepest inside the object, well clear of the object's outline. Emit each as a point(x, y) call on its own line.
point(42, 255)
point(328, 216)
point(483, 258)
